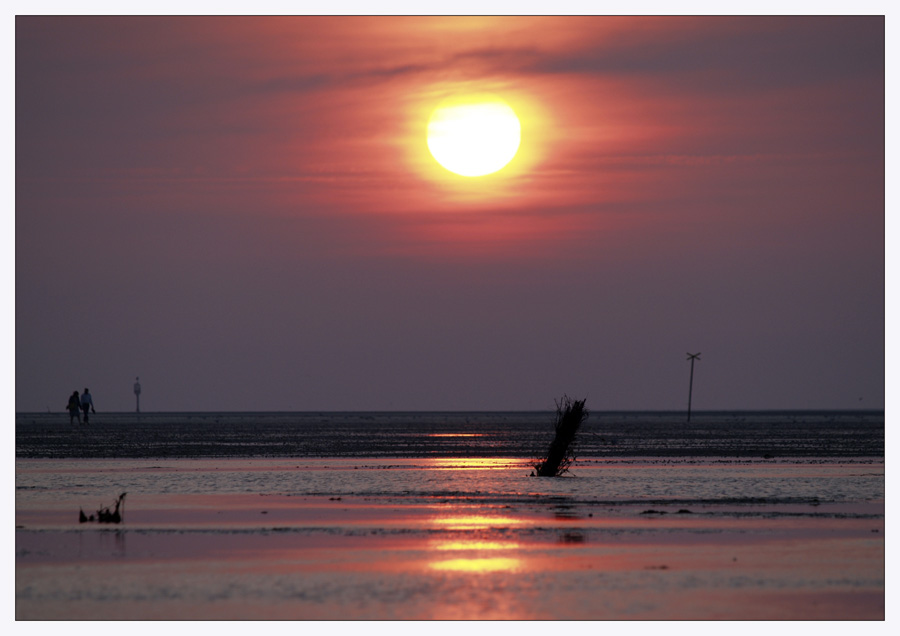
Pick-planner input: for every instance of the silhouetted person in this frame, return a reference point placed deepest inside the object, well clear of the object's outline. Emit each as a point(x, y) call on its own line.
point(74, 407)
point(87, 404)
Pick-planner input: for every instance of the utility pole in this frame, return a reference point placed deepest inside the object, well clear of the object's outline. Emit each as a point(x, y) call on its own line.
point(691, 357)
point(137, 394)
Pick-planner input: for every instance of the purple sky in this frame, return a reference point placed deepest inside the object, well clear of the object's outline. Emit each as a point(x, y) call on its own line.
point(242, 212)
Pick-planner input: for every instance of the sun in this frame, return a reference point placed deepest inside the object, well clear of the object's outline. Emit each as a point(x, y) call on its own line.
point(474, 136)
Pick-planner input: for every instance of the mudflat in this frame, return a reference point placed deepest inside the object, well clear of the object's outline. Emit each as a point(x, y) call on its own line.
point(445, 538)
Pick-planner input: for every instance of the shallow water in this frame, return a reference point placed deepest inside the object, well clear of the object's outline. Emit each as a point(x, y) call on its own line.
point(592, 481)
point(776, 515)
point(389, 538)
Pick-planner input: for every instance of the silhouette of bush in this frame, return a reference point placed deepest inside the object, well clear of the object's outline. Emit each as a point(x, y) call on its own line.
point(570, 414)
point(105, 515)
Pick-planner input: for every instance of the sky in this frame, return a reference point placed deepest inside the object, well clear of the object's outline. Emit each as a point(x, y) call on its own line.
point(243, 212)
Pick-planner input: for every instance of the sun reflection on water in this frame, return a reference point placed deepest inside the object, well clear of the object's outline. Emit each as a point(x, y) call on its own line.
point(482, 463)
point(494, 564)
point(474, 545)
point(475, 555)
point(454, 435)
point(476, 522)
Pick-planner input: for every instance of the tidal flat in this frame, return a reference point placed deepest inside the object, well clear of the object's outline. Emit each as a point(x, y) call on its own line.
point(363, 538)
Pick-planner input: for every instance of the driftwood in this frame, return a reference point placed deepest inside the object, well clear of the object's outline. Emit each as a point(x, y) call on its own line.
point(105, 515)
point(569, 416)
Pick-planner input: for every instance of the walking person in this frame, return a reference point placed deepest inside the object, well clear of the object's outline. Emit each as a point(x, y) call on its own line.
point(74, 407)
point(87, 404)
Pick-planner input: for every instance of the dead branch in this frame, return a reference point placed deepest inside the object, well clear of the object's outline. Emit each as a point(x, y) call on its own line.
point(105, 514)
point(570, 414)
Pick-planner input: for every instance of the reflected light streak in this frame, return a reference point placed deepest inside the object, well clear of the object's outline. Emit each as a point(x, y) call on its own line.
point(455, 435)
point(472, 462)
point(476, 522)
point(475, 553)
point(477, 556)
point(498, 564)
point(475, 545)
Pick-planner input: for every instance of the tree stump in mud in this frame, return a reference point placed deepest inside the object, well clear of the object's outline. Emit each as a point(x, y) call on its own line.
point(569, 416)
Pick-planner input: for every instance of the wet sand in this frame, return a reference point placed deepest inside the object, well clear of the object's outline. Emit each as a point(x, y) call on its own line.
point(253, 553)
point(440, 434)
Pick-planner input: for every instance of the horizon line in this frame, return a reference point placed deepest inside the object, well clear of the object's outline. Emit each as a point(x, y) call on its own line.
point(254, 412)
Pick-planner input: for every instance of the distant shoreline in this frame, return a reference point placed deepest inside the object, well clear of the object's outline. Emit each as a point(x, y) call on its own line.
point(746, 434)
point(661, 412)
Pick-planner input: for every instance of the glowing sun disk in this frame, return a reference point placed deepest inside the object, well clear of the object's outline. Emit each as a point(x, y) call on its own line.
point(474, 138)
